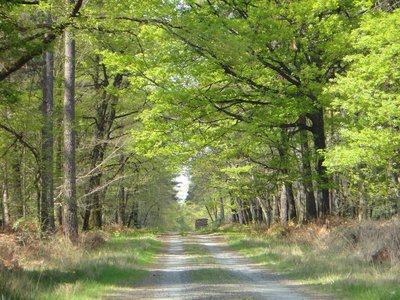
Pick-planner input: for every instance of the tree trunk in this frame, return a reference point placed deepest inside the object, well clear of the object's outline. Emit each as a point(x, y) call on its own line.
point(221, 210)
point(121, 205)
point(234, 214)
point(105, 117)
point(209, 213)
point(17, 200)
point(71, 220)
point(240, 211)
point(253, 212)
point(291, 203)
point(276, 208)
point(47, 194)
point(58, 170)
point(288, 207)
point(311, 208)
point(5, 204)
point(318, 131)
point(363, 210)
point(86, 218)
point(133, 218)
point(258, 211)
point(265, 208)
point(284, 205)
point(215, 211)
point(97, 211)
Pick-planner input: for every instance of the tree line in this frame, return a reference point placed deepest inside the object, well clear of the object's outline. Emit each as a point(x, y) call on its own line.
point(282, 110)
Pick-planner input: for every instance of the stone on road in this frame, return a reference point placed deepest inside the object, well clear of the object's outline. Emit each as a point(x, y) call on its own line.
point(203, 267)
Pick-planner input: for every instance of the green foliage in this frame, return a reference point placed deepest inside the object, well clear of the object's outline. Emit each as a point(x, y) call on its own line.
point(367, 96)
point(366, 105)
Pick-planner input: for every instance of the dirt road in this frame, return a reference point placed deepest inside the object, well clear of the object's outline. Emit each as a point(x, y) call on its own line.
point(203, 267)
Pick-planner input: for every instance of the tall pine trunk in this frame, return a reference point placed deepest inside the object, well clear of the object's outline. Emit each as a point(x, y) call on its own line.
point(47, 157)
point(4, 202)
point(59, 169)
point(71, 220)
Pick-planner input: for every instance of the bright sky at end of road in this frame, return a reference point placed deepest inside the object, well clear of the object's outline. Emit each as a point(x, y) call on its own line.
point(182, 185)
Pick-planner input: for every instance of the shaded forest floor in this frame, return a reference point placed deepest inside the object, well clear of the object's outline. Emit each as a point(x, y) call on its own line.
point(54, 269)
point(349, 259)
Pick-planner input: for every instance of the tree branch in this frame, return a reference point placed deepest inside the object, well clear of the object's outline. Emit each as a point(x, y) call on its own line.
point(21, 139)
point(76, 8)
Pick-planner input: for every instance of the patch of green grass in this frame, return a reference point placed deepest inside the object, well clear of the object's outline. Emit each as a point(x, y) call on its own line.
point(205, 267)
point(199, 254)
point(116, 265)
point(324, 269)
point(212, 275)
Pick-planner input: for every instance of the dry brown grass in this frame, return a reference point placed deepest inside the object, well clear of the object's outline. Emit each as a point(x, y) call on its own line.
point(24, 250)
point(367, 241)
point(9, 252)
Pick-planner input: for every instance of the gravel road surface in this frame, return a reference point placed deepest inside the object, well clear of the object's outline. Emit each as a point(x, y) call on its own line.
point(203, 267)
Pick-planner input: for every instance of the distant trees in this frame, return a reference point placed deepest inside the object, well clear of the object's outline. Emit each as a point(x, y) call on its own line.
point(283, 111)
point(257, 77)
point(94, 137)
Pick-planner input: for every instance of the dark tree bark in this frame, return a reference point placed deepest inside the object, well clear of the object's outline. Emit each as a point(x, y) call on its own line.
point(122, 197)
point(276, 211)
point(133, 219)
point(47, 157)
point(96, 207)
point(363, 209)
point(311, 208)
point(268, 209)
point(71, 220)
point(318, 132)
point(121, 213)
point(291, 202)
point(17, 200)
point(105, 115)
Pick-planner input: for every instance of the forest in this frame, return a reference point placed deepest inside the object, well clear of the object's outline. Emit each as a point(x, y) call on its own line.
point(285, 113)
point(279, 113)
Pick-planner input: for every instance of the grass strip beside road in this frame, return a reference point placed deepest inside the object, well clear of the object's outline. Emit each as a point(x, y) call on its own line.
point(326, 269)
point(83, 274)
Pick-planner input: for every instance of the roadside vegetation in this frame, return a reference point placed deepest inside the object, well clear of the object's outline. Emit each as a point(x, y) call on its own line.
point(348, 259)
point(55, 269)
